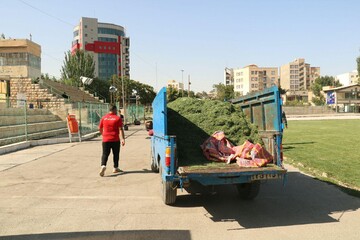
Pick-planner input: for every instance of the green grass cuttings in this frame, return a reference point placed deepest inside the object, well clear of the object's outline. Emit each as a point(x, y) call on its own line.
point(327, 149)
point(193, 121)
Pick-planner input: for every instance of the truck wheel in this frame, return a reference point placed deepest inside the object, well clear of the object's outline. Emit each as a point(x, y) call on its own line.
point(169, 192)
point(153, 165)
point(248, 191)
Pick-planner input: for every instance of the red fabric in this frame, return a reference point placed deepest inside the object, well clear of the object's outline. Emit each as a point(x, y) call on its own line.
point(259, 152)
point(110, 125)
point(217, 147)
point(247, 146)
point(257, 162)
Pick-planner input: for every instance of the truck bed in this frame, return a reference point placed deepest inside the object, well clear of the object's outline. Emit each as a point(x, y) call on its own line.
point(216, 168)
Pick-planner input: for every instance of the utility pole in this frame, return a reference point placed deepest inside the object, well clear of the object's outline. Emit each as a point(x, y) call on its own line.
point(189, 83)
point(122, 78)
point(182, 81)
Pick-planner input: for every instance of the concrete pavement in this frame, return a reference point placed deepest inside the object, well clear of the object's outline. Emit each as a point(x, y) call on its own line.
point(55, 192)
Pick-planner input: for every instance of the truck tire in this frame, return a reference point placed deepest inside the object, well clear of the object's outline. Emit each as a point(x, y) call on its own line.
point(248, 191)
point(153, 165)
point(169, 192)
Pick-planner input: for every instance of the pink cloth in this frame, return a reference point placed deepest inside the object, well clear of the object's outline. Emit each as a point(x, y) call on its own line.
point(218, 148)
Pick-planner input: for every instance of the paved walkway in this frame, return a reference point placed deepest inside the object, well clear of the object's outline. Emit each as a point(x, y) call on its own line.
point(55, 192)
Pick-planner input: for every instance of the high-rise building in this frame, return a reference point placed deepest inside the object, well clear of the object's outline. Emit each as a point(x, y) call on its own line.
point(107, 43)
point(348, 78)
point(298, 75)
point(20, 58)
point(253, 78)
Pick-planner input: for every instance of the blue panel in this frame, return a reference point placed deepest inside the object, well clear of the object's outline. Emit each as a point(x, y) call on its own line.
point(160, 114)
point(263, 108)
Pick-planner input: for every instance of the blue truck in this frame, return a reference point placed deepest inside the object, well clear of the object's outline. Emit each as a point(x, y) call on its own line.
point(263, 108)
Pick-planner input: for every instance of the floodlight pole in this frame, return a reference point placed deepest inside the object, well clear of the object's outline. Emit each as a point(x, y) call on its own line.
point(182, 81)
point(122, 81)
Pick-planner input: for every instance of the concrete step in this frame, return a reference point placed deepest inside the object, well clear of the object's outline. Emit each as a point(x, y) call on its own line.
point(21, 112)
point(63, 132)
point(19, 120)
point(18, 130)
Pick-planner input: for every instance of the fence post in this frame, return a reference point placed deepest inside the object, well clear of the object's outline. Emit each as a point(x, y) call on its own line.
point(25, 116)
point(80, 107)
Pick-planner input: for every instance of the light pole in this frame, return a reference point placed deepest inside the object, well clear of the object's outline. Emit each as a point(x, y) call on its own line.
point(112, 91)
point(189, 83)
point(182, 81)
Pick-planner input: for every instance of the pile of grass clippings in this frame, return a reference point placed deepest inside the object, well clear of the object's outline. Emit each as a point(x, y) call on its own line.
point(194, 120)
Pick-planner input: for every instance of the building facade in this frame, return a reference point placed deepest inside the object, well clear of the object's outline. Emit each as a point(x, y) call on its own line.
point(108, 45)
point(298, 75)
point(175, 85)
point(20, 58)
point(229, 76)
point(253, 78)
point(343, 99)
point(348, 78)
point(296, 78)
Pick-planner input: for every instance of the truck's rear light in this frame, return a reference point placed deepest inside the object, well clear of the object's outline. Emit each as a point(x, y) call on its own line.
point(281, 153)
point(167, 156)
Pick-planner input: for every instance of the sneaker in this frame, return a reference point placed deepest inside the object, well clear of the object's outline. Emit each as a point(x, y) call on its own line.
point(117, 170)
point(102, 171)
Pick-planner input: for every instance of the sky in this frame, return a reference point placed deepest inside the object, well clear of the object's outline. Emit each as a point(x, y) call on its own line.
point(200, 37)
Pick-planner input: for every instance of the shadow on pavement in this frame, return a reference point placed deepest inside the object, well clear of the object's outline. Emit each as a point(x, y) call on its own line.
point(118, 235)
point(129, 172)
point(302, 200)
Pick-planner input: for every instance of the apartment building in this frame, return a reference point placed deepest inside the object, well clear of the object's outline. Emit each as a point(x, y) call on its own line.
point(228, 76)
point(107, 43)
point(348, 78)
point(298, 75)
point(253, 78)
point(175, 85)
point(20, 58)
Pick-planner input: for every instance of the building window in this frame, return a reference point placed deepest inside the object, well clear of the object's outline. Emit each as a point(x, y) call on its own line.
point(272, 72)
point(85, 26)
point(85, 34)
point(111, 31)
point(106, 39)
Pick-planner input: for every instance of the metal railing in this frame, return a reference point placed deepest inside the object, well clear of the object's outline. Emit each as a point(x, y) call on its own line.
point(29, 119)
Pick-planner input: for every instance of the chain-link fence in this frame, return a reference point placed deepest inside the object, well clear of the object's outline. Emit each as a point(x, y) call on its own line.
point(26, 119)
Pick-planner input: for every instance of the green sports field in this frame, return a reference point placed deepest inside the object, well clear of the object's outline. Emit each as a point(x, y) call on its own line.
point(328, 149)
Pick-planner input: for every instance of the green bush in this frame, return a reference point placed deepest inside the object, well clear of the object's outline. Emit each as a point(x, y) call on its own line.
point(194, 120)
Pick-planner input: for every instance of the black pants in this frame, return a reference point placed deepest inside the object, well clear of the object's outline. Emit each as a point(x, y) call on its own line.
point(107, 147)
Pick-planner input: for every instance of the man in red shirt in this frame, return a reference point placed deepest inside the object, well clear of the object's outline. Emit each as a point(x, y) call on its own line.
point(110, 127)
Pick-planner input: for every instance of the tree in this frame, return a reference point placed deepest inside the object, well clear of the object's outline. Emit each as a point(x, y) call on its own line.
point(77, 65)
point(172, 94)
point(223, 92)
point(99, 88)
point(202, 95)
point(317, 86)
point(145, 92)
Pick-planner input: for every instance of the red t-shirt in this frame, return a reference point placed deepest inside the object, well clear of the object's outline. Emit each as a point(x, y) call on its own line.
point(111, 124)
